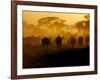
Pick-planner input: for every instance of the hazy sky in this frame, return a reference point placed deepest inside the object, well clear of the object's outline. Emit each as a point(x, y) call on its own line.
point(30, 17)
point(33, 17)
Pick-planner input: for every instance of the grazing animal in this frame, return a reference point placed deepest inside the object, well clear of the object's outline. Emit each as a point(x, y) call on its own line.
point(80, 41)
point(73, 41)
point(58, 41)
point(45, 42)
point(87, 39)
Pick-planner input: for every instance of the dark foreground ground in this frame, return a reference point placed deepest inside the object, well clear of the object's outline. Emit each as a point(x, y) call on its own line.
point(41, 58)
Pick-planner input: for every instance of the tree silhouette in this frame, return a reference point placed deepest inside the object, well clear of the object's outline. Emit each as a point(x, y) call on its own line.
point(87, 17)
point(51, 22)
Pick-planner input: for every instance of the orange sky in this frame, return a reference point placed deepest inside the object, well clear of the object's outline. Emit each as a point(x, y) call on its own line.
point(32, 17)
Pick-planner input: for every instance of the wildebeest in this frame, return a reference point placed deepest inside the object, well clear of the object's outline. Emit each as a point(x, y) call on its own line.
point(87, 39)
point(58, 41)
point(73, 41)
point(80, 41)
point(45, 42)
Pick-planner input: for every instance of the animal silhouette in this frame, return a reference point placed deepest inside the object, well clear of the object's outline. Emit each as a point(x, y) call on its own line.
point(73, 41)
point(45, 42)
point(80, 41)
point(58, 41)
point(87, 39)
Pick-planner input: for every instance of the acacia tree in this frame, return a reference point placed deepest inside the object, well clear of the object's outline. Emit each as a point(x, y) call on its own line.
point(55, 24)
point(51, 22)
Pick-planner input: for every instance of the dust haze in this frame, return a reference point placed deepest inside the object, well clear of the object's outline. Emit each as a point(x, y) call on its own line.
point(50, 34)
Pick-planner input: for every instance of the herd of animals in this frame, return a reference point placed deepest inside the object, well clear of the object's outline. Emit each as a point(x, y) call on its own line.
point(45, 42)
